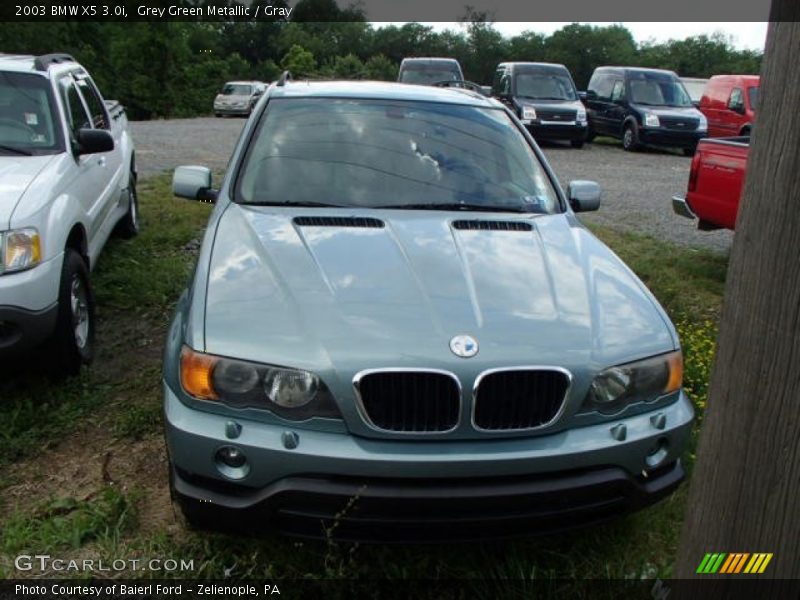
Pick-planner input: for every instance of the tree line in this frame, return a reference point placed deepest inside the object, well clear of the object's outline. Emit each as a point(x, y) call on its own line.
point(174, 69)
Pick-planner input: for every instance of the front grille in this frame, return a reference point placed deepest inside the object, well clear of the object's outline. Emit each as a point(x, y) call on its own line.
point(555, 114)
point(410, 401)
point(477, 225)
point(367, 222)
point(520, 399)
point(679, 123)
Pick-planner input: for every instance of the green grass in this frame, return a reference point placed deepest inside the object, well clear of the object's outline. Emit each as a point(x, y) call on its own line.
point(137, 283)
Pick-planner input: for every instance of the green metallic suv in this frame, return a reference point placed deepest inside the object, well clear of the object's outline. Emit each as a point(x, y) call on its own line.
point(398, 329)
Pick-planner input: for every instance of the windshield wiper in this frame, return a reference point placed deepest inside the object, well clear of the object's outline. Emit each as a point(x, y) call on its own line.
point(297, 204)
point(454, 206)
point(15, 150)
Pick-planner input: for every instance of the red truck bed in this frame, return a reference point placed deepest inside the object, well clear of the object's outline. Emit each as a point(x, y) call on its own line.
point(715, 183)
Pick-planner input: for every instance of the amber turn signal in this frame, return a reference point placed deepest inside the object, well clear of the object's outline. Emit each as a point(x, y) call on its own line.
point(675, 381)
point(196, 372)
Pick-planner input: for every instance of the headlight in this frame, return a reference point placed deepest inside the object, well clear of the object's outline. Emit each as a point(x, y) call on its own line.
point(528, 112)
point(651, 120)
point(703, 124)
point(290, 393)
point(21, 249)
point(642, 381)
point(581, 115)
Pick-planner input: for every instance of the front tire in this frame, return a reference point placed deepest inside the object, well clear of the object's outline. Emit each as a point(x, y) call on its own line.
point(128, 226)
point(73, 339)
point(630, 138)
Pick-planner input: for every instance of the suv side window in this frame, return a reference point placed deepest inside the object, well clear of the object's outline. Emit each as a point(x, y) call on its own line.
point(618, 92)
point(94, 103)
point(73, 103)
point(736, 101)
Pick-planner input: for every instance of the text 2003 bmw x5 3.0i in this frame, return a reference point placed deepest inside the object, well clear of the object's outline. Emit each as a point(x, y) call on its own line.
point(398, 329)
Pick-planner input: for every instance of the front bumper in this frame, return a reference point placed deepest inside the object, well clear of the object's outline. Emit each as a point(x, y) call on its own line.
point(670, 138)
point(231, 110)
point(22, 329)
point(393, 489)
point(29, 306)
point(572, 131)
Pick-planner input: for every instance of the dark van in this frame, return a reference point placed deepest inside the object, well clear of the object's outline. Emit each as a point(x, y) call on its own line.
point(429, 71)
point(544, 97)
point(643, 106)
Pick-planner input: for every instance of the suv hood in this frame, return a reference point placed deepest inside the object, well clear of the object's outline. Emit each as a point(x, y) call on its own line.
point(232, 98)
point(558, 104)
point(16, 175)
point(337, 298)
point(671, 111)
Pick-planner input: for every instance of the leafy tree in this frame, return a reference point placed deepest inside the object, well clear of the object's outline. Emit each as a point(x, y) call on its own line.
point(299, 61)
point(527, 46)
point(348, 67)
point(380, 68)
point(582, 48)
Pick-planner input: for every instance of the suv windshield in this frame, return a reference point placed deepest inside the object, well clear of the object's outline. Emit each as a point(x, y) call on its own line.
point(544, 86)
point(392, 154)
point(27, 126)
point(428, 76)
point(658, 90)
point(236, 89)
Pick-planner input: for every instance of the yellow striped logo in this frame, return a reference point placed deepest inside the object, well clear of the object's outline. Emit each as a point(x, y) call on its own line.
point(734, 563)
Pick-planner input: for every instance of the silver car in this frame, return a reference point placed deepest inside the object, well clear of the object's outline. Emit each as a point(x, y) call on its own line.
point(399, 329)
point(238, 98)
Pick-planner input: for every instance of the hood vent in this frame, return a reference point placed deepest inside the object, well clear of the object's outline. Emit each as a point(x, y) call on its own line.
point(365, 222)
point(476, 225)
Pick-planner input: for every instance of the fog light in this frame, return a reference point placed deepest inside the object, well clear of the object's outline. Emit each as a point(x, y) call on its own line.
point(232, 462)
point(233, 457)
point(657, 454)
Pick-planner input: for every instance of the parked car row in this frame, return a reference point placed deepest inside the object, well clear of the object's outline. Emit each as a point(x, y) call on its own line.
point(423, 341)
point(636, 105)
point(67, 181)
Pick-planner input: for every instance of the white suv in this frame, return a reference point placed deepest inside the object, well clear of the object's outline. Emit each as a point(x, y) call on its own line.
point(67, 180)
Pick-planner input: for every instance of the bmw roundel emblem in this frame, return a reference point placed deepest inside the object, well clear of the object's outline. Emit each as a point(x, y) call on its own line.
point(464, 346)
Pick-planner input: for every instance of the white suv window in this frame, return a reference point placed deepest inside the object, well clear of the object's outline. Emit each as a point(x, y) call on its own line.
point(73, 103)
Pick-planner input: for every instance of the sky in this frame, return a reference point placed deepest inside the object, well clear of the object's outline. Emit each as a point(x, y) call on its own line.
point(745, 36)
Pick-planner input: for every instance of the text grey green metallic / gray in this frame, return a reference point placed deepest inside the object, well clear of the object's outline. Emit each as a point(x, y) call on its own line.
point(398, 329)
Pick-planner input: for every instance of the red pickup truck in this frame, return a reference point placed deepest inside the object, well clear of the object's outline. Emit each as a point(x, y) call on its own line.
point(715, 183)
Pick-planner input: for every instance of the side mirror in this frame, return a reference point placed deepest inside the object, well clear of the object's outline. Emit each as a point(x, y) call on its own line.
point(582, 96)
point(583, 196)
point(91, 141)
point(193, 183)
point(589, 95)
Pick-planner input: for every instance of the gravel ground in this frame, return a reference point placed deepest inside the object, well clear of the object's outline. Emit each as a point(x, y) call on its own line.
point(637, 187)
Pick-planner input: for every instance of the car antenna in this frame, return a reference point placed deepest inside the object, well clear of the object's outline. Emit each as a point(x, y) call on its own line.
point(285, 76)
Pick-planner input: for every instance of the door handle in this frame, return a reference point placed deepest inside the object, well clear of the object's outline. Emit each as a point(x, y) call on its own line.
point(101, 161)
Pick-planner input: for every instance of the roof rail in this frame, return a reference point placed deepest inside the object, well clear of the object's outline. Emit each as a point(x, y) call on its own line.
point(285, 76)
point(41, 63)
point(461, 84)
